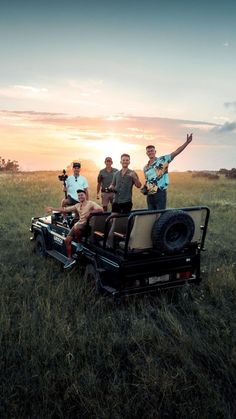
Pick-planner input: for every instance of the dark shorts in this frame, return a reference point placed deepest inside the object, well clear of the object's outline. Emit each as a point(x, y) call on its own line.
point(71, 200)
point(123, 208)
point(157, 200)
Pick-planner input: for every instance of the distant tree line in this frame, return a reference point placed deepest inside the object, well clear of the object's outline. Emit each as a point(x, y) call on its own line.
point(208, 175)
point(228, 173)
point(214, 175)
point(8, 165)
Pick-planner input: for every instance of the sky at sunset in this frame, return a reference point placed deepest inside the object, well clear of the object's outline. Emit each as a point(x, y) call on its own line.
point(83, 79)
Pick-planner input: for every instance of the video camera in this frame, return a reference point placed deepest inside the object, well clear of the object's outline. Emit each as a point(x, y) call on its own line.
point(144, 190)
point(63, 177)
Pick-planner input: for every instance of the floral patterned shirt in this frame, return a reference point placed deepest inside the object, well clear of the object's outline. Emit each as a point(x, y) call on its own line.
point(156, 174)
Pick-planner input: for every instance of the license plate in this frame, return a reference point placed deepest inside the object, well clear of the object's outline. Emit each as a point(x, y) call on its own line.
point(162, 278)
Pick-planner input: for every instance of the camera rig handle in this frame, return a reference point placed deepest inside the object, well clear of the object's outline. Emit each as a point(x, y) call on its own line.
point(63, 178)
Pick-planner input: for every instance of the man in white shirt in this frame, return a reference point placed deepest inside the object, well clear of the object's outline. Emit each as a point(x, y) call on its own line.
point(73, 183)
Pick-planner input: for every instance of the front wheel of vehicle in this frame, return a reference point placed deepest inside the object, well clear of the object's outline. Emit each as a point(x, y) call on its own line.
point(92, 277)
point(40, 249)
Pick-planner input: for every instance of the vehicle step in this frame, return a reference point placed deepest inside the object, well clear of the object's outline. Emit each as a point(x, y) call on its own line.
point(55, 254)
point(109, 289)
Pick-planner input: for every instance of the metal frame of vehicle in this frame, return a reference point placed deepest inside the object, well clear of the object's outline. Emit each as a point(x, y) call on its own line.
point(125, 269)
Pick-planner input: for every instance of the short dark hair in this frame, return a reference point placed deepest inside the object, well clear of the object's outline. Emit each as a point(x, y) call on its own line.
point(125, 155)
point(80, 190)
point(150, 146)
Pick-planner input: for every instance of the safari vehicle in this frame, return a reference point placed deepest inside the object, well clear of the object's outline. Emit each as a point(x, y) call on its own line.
point(151, 249)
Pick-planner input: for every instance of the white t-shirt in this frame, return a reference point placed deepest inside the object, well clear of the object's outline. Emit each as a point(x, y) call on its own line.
point(73, 183)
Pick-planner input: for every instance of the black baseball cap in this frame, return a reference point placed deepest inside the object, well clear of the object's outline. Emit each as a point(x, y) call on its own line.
point(76, 164)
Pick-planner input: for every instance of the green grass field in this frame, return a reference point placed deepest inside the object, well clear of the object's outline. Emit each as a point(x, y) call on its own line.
point(67, 353)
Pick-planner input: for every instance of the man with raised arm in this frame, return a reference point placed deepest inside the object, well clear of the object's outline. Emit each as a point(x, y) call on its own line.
point(156, 175)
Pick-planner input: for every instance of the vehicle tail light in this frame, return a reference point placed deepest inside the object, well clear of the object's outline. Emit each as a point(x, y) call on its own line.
point(184, 275)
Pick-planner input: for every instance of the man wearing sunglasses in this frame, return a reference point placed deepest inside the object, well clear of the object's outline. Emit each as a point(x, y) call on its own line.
point(73, 183)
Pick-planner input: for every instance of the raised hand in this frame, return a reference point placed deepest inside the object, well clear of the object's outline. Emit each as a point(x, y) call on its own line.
point(133, 174)
point(189, 138)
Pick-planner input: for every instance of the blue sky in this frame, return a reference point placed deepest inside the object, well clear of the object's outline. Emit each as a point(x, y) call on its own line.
point(157, 64)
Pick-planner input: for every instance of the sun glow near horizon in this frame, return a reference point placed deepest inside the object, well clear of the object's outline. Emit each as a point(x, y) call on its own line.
point(112, 147)
point(48, 142)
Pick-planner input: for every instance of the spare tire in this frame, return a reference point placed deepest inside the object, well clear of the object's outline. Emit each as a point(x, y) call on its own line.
point(172, 231)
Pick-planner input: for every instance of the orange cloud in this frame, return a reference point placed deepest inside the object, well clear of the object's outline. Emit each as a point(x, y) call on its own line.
point(44, 140)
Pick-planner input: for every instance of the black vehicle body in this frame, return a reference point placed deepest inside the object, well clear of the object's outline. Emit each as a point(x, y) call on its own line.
point(151, 250)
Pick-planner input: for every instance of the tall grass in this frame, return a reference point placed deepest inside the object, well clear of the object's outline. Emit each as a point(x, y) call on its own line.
point(68, 353)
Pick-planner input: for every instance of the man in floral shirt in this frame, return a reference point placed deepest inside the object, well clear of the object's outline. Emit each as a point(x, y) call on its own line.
point(156, 175)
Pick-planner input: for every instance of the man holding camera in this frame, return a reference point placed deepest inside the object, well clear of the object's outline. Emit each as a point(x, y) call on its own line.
point(72, 184)
point(104, 180)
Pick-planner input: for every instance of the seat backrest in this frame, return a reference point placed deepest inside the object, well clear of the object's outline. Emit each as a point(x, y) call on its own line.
point(141, 233)
point(140, 236)
point(197, 219)
point(120, 224)
point(97, 223)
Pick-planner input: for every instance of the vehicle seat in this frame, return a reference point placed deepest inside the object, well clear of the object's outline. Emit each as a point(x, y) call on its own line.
point(97, 226)
point(141, 233)
point(119, 229)
point(197, 218)
point(140, 236)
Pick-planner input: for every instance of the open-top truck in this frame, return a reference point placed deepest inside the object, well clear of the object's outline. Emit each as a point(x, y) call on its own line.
point(151, 249)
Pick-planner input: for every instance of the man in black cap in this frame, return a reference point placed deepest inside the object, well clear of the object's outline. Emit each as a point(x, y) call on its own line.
point(84, 209)
point(73, 183)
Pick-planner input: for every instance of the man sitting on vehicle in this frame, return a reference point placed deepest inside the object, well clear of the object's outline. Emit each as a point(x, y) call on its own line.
point(84, 208)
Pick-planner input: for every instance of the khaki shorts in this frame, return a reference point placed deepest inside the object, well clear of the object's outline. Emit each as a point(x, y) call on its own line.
point(77, 226)
point(106, 198)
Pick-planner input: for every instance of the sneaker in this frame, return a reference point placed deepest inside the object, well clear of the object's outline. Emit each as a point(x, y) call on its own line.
point(70, 263)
